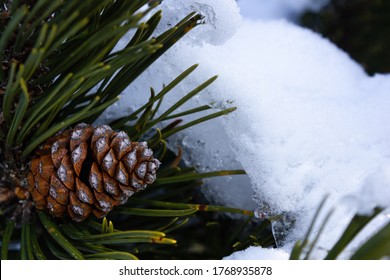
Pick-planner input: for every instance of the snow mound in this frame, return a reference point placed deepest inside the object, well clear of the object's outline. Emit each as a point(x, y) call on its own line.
point(308, 118)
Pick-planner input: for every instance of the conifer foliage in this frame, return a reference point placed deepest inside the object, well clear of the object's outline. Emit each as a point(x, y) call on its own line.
point(59, 72)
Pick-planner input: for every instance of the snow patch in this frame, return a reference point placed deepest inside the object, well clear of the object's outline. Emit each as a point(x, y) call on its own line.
point(258, 253)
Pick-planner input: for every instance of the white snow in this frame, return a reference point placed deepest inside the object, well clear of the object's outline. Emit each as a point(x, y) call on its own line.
point(309, 121)
point(258, 253)
point(222, 19)
point(277, 9)
point(375, 191)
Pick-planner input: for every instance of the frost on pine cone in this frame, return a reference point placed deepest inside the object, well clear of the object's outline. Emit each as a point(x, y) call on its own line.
point(87, 169)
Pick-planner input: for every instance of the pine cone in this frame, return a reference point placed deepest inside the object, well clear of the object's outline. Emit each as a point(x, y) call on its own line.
point(87, 169)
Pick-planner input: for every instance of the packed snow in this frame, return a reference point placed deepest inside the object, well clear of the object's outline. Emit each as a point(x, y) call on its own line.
point(310, 121)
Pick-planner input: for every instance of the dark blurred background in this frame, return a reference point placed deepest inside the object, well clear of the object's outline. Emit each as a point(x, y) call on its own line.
point(359, 27)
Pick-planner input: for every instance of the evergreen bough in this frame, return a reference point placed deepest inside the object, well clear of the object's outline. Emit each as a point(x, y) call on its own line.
point(60, 69)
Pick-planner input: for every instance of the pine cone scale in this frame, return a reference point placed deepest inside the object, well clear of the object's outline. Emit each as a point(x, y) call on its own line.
point(58, 151)
point(39, 199)
point(55, 208)
point(121, 174)
point(104, 202)
point(78, 157)
point(131, 160)
point(76, 209)
point(101, 149)
point(96, 178)
point(44, 186)
point(83, 193)
point(58, 191)
point(109, 163)
point(110, 185)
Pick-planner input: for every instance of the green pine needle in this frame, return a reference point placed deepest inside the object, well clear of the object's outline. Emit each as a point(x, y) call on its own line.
point(6, 239)
point(57, 235)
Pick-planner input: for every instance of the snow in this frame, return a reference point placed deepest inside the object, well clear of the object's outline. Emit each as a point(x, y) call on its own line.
point(258, 253)
point(375, 191)
point(221, 18)
point(309, 122)
point(277, 9)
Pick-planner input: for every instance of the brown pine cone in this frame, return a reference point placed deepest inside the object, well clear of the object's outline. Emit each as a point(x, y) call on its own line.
point(87, 169)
